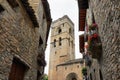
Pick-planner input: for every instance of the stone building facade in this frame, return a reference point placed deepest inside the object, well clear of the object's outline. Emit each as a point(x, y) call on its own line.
point(23, 39)
point(63, 65)
point(105, 14)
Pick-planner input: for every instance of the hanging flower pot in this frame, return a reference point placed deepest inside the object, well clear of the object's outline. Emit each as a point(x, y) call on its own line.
point(93, 26)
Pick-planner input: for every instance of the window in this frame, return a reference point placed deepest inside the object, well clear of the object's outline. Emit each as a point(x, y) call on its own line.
point(93, 18)
point(72, 43)
point(1, 8)
point(54, 42)
point(60, 41)
point(63, 24)
point(40, 41)
point(101, 77)
point(59, 30)
point(38, 75)
point(69, 30)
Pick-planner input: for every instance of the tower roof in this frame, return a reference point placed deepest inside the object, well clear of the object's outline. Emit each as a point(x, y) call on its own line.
point(71, 62)
point(64, 17)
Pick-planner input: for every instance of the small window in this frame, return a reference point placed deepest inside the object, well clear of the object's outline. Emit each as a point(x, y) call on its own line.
point(72, 43)
point(1, 8)
point(63, 24)
point(94, 70)
point(59, 30)
point(93, 18)
point(43, 16)
point(69, 30)
point(40, 41)
point(100, 73)
point(60, 41)
point(38, 75)
point(54, 42)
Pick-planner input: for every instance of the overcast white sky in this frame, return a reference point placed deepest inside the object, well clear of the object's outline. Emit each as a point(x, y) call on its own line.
point(59, 8)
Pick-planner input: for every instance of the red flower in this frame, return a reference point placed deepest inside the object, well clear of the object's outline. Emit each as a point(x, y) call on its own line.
point(95, 35)
point(94, 25)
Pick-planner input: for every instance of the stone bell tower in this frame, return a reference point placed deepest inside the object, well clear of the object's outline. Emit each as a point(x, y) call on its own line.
point(62, 47)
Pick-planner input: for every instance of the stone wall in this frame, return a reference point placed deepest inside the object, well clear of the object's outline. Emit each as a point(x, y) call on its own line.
point(94, 71)
point(64, 71)
point(107, 13)
point(20, 39)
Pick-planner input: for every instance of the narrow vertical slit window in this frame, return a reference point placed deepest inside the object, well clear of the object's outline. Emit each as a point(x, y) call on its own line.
point(38, 75)
point(59, 30)
point(54, 42)
point(69, 30)
point(40, 41)
point(60, 41)
point(72, 43)
point(100, 73)
point(93, 18)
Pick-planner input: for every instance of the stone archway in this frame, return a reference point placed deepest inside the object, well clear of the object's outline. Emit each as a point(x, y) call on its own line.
point(72, 76)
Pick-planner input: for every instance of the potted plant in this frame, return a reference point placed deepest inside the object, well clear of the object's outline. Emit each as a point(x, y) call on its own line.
point(84, 71)
point(93, 26)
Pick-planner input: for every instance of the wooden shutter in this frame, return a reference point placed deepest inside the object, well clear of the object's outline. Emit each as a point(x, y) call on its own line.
point(17, 70)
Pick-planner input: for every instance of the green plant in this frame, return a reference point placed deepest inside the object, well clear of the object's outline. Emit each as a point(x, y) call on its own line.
point(84, 71)
point(45, 77)
point(93, 26)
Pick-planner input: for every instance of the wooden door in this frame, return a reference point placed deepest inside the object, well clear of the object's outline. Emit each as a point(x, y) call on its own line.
point(17, 70)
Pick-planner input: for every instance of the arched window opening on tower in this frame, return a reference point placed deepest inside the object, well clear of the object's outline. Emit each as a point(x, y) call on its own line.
point(72, 43)
point(59, 30)
point(60, 41)
point(69, 30)
point(54, 42)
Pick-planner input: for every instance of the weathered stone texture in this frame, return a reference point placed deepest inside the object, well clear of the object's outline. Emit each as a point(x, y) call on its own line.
point(107, 16)
point(94, 70)
point(17, 39)
point(21, 39)
point(64, 71)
